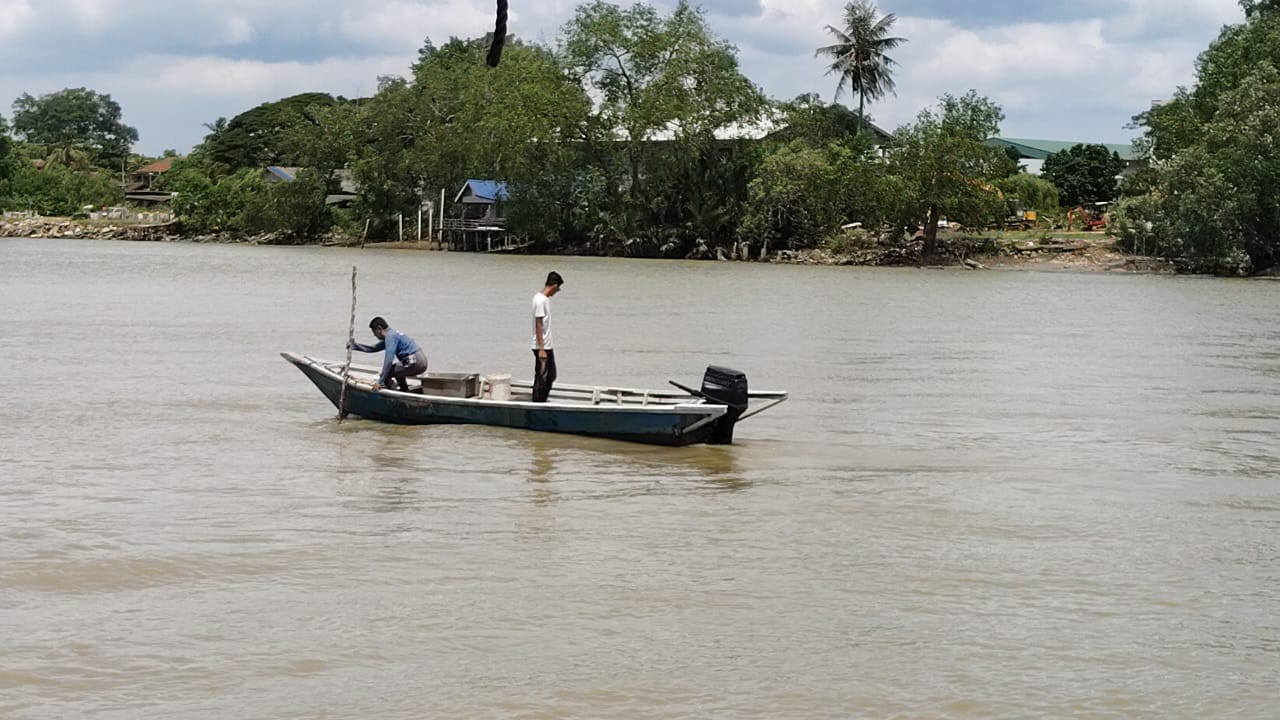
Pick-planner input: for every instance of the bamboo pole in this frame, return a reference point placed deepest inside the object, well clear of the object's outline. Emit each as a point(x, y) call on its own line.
point(351, 339)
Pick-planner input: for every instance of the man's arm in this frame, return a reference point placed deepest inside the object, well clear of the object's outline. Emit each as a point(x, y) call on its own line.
point(368, 348)
point(537, 331)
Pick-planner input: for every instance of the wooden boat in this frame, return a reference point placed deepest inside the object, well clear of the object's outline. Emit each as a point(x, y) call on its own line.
point(682, 417)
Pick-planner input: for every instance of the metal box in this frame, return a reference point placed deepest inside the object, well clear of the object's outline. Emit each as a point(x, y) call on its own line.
point(459, 385)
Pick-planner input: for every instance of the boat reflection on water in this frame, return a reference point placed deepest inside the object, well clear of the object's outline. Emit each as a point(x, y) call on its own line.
point(602, 468)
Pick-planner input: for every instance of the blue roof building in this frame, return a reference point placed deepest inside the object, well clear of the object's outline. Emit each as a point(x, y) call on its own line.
point(482, 192)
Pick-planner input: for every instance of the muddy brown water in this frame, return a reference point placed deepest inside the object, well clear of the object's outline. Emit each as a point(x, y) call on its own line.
point(991, 495)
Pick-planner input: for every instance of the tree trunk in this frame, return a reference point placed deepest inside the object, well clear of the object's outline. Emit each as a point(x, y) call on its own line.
point(634, 158)
point(930, 250)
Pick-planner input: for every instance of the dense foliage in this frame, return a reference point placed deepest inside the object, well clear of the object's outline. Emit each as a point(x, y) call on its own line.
point(637, 134)
point(76, 118)
point(1212, 198)
point(57, 190)
point(8, 162)
point(947, 168)
point(1084, 174)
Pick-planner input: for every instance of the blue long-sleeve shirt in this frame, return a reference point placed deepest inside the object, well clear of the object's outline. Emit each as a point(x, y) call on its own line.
point(397, 345)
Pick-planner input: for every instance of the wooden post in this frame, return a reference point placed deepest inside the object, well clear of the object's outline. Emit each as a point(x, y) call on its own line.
point(441, 216)
point(366, 232)
point(400, 221)
point(351, 338)
point(431, 214)
point(419, 224)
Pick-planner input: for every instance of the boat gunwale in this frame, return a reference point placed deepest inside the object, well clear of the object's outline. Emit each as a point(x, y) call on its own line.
point(690, 408)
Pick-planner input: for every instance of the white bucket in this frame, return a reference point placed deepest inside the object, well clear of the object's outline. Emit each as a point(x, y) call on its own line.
point(499, 387)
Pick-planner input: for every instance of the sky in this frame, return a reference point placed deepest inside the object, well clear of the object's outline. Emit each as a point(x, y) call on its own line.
point(1074, 70)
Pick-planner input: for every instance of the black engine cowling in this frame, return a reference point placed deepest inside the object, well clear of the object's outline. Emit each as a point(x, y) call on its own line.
point(727, 387)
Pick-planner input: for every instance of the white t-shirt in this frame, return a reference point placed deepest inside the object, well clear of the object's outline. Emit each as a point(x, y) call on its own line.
point(542, 309)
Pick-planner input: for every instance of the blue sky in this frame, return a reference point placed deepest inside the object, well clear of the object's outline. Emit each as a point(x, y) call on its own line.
point(1062, 70)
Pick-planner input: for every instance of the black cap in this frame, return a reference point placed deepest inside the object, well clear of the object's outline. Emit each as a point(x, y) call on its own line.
point(553, 278)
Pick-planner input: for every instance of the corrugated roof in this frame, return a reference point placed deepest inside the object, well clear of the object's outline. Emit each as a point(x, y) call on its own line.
point(284, 173)
point(1041, 149)
point(482, 191)
point(158, 166)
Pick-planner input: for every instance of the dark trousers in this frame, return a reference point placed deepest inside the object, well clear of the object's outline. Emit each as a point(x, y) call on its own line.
point(399, 370)
point(544, 374)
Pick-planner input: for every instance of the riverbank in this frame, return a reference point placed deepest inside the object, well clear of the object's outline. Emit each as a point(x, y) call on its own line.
point(1076, 252)
point(72, 229)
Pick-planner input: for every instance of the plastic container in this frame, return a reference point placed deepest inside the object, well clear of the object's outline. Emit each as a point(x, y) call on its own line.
point(499, 387)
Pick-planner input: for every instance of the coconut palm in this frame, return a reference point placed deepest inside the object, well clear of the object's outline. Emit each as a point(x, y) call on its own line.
point(858, 56)
point(70, 155)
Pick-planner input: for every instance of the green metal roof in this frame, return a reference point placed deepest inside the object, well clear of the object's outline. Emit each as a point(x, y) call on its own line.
point(1041, 149)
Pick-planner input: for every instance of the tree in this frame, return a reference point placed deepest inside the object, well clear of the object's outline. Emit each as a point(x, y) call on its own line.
point(815, 123)
point(1254, 8)
point(859, 56)
point(294, 209)
point(205, 205)
point(1212, 199)
point(802, 195)
point(8, 162)
point(58, 190)
point(327, 139)
point(947, 168)
point(521, 122)
point(254, 138)
point(69, 155)
point(1084, 174)
point(1024, 191)
point(76, 117)
point(665, 86)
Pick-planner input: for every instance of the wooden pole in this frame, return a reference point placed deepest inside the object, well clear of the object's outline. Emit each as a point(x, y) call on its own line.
point(441, 216)
point(400, 221)
point(351, 339)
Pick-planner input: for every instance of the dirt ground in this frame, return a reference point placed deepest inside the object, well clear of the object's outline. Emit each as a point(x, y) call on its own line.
point(1097, 253)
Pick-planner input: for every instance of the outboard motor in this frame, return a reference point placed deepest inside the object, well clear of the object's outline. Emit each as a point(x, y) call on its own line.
point(724, 386)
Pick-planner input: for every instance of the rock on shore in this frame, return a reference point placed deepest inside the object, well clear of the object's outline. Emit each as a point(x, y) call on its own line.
point(48, 227)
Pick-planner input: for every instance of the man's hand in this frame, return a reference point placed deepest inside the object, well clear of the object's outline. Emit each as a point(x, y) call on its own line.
point(542, 354)
point(377, 386)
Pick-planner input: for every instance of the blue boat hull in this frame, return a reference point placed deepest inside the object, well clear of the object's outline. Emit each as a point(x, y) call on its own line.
point(652, 425)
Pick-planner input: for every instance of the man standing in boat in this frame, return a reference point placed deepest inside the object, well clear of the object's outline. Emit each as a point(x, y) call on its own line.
point(544, 357)
point(403, 359)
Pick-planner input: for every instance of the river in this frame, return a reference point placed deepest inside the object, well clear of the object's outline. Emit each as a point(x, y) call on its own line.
point(990, 495)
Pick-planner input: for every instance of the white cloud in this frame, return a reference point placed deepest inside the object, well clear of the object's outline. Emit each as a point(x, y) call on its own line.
point(13, 15)
point(404, 25)
point(238, 30)
point(186, 63)
point(212, 76)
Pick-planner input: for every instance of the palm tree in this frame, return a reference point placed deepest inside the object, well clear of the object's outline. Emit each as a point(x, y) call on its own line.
point(858, 56)
point(69, 154)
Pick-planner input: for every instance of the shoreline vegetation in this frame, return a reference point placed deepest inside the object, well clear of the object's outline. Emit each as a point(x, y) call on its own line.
point(1023, 250)
point(636, 134)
